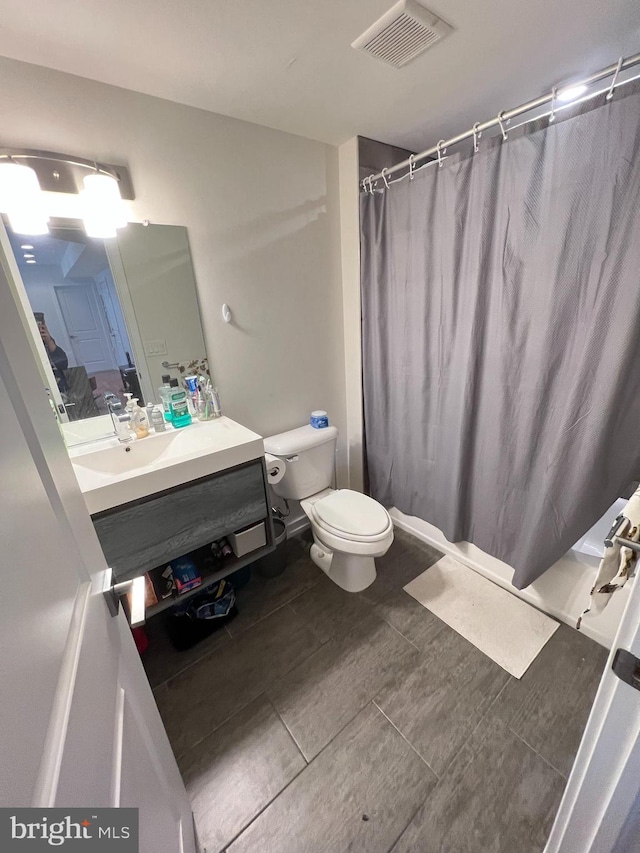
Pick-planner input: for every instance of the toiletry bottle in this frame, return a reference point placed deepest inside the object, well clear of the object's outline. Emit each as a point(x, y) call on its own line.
point(192, 394)
point(319, 419)
point(163, 392)
point(140, 420)
point(180, 416)
point(129, 410)
point(157, 420)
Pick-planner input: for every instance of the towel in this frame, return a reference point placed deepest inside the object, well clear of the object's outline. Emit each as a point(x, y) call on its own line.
point(618, 562)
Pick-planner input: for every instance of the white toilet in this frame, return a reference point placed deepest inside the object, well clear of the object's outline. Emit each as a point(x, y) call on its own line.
point(349, 528)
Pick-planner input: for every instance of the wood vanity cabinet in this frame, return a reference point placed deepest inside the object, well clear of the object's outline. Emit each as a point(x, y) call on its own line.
point(140, 536)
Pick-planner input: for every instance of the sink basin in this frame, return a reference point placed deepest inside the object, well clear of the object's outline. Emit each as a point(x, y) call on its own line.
point(111, 473)
point(117, 459)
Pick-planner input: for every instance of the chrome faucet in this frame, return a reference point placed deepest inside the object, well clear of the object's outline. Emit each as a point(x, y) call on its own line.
point(121, 419)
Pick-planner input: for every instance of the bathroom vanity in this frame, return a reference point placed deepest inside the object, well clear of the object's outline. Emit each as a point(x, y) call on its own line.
point(163, 496)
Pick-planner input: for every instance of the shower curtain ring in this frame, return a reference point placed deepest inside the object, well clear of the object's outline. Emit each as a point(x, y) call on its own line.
point(476, 137)
point(554, 93)
point(384, 177)
point(501, 123)
point(439, 150)
point(615, 78)
point(412, 166)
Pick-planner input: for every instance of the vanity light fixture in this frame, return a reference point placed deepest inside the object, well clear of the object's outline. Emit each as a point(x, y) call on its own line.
point(31, 262)
point(21, 198)
point(27, 175)
point(28, 256)
point(27, 247)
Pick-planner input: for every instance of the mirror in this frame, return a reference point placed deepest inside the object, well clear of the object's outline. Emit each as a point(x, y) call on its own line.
point(109, 316)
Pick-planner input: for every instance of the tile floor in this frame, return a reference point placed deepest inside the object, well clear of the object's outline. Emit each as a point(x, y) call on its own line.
point(323, 722)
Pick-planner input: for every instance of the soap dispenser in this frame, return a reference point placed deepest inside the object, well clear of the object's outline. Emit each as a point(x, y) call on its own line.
point(129, 412)
point(140, 420)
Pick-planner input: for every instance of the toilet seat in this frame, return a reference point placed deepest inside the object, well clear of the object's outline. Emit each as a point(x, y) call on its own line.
point(338, 515)
point(352, 514)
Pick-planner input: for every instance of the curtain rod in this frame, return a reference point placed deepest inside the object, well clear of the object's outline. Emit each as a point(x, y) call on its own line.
point(369, 182)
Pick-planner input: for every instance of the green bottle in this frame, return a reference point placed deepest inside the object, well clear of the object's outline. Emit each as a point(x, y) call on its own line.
point(178, 405)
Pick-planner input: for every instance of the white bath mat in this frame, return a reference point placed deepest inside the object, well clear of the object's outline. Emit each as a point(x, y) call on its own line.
point(505, 628)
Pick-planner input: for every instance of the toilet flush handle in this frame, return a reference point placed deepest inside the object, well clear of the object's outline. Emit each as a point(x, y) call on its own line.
point(292, 458)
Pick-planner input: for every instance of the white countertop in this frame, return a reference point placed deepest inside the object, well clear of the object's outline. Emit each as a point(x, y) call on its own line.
point(111, 473)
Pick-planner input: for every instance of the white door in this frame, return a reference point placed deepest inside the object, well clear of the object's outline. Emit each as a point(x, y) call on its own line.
point(600, 810)
point(78, 722)
point(86, 328)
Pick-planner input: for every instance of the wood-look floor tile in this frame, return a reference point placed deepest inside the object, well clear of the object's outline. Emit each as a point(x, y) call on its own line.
point(419, 625)
point(262, 596)
point(321, 695)
point(328, 610)
point(367, 771)
point(498, 796)
point(437, 701)
point(198, 700)
point(548, 707)
point(235, 772)
point(407, 558)
point(161, 661)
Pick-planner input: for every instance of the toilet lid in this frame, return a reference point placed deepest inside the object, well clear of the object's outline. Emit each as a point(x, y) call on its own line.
point(352, 512)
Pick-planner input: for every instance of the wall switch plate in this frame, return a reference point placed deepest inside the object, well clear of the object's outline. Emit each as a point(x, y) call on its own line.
point(155, 347)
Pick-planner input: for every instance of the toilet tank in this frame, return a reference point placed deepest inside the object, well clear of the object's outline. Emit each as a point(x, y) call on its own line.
point(309, 455)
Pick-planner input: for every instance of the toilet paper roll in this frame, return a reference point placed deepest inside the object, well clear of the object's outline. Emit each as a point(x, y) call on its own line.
point(275, 468)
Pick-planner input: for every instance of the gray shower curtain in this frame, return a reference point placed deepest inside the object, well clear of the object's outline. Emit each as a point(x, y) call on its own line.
point(501, 335)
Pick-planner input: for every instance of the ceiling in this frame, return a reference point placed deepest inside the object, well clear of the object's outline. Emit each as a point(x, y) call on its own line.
point(289, 65)
point(47, 250)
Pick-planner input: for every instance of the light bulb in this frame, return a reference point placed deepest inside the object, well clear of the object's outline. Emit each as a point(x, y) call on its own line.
point(22, 199)
point(102, 207)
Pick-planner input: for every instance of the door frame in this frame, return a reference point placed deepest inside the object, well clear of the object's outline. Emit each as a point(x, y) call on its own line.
point(603, 789)
point(17, 289)
point(119, 334)
point(57, 486)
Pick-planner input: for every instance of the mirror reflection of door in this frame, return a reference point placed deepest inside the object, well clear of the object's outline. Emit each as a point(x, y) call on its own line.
point(71, 290)
point(85, 327)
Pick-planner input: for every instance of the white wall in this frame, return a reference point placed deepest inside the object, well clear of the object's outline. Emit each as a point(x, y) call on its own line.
point(262, 211)
point(348, 158)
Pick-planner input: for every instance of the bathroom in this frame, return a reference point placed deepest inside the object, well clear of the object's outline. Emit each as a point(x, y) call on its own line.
point(318, 718)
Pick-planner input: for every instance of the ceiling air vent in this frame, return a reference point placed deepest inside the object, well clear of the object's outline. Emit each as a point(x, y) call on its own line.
point(402, 33)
